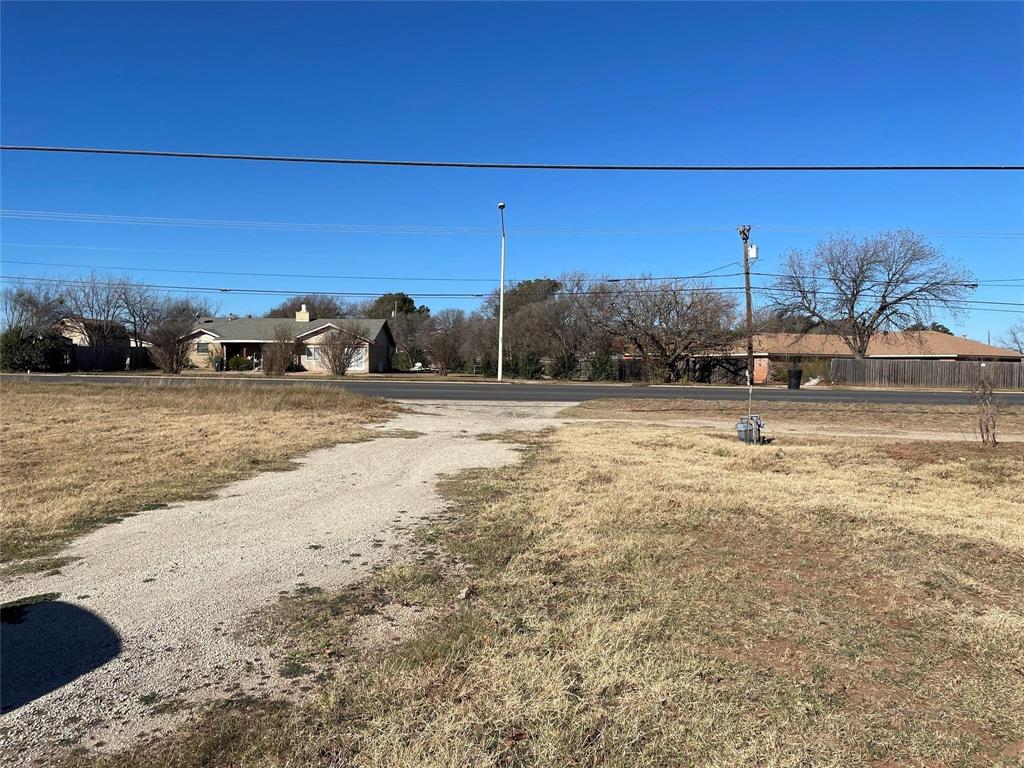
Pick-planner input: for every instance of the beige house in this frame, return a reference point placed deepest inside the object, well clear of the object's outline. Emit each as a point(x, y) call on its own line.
point(77, 331)
point(231, 336)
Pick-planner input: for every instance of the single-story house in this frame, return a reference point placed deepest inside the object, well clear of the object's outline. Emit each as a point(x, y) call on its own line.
point(777, 351)
point(234, 336)
point(76, 331)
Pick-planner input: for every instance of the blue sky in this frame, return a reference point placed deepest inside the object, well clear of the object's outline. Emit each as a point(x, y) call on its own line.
point(705, 83)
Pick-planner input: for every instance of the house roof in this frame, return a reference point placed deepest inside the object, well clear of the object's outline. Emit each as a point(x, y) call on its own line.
point(906, 344)
point(260, 329)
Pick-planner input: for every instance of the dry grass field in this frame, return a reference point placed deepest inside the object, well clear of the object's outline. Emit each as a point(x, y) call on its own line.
point(639, 595)
point(76, 456)
point(958, 421)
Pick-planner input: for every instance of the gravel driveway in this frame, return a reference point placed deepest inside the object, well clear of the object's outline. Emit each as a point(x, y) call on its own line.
point(150, 614)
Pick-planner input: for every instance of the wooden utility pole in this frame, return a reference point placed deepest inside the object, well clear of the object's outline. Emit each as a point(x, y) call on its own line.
point(745, 236)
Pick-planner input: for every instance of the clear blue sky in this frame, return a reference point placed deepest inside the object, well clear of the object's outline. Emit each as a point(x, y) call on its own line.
point(707, 83)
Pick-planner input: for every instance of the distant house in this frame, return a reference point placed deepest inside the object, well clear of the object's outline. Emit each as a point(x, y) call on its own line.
point(77, 331)
point(232, 336)
point(782, 350)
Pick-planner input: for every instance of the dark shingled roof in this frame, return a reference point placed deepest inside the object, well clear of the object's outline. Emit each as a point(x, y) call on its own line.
point(263, 328)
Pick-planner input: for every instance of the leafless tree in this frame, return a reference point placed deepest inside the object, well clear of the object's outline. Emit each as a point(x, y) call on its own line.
point(411, 331)
point(94, 303)
point(34, 308)
point(446, 340)
point(480, 342)
point(279, 354)
point(339, 346)
point(665, 322)
point(890, 281)
point(1014, 337)
point(317, 306)
point(169, 332)
point(142, 309)
point(988, 408)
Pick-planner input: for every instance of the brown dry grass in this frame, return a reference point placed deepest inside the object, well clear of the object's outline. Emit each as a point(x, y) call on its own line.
point(648, 596)
point(76, 456)
point(911, 417)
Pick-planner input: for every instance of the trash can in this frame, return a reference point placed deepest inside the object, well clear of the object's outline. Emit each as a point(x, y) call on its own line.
point(795, 374)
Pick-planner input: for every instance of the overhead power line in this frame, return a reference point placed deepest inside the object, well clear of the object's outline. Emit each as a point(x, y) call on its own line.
point(980, 306)
point(710, 273)
point(504, 166)
point(452, 230)
point(124, 268)
point(1012, 282)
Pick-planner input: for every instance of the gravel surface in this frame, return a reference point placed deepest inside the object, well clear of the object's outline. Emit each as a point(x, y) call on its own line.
point(148, 620)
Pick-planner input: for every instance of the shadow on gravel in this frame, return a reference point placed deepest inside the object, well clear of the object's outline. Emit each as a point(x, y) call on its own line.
point(45, 644)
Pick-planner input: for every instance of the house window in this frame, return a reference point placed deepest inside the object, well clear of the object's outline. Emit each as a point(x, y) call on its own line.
point(312, 353)
point(202, 347)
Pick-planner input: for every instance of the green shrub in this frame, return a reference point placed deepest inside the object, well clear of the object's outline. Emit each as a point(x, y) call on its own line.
point(405, 361)
point(239, 363)
point(564, 366)
point(23, 350)
point(485, 365)
point(601, 367)
point(524, 366)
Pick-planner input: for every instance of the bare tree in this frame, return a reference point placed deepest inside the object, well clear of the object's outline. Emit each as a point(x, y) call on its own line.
point(279, 354)
point(169, 332)
point(94, 303)
point(339, 347)
point(33, 308)
point(411, 331)
point(445, 343)
point(988, 408)
point(665, 322)
point(1014, 337)
point(891, 281)
point(317, 306)
point(480, 342)
point(142, 309)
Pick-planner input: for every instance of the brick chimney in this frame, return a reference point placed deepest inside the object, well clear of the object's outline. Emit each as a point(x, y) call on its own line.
point(302, 315)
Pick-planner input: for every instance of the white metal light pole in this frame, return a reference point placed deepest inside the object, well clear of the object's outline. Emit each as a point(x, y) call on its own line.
point(501, 293)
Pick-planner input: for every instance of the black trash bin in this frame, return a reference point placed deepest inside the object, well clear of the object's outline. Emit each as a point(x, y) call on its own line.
point(795, 374)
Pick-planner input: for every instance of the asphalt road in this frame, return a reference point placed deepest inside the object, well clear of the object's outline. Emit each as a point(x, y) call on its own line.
point(541, 392)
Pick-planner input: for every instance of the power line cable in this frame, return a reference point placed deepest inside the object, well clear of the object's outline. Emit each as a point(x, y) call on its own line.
point(508, 281)
point(710, 274)
point(502, 166)
point(976, 305)
point(451, 230)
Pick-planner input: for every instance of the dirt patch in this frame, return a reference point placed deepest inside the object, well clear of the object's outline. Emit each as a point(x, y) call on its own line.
point(79, 456)
point(178, 585)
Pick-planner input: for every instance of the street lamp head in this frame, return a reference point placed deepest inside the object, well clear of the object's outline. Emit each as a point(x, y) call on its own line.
point(501, 206)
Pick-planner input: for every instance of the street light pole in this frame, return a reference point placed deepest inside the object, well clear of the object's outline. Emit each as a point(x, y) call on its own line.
point(501, 295)
point(745, 236)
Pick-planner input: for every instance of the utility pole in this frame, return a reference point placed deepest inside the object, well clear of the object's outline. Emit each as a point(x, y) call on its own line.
point(501, 294)
point(745, 237)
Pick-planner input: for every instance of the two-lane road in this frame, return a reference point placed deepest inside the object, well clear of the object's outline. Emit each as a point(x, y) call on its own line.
point(535, 392)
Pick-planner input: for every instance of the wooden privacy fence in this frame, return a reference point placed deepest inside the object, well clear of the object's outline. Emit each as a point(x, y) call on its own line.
point(117, 358)
point(941, 374)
